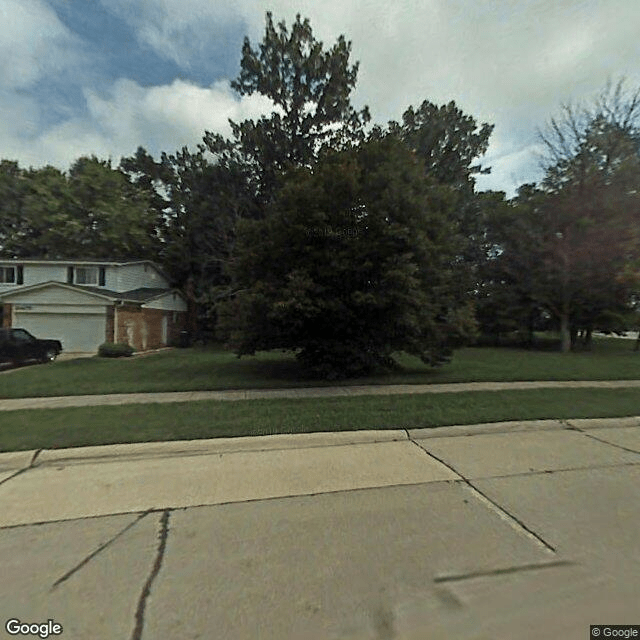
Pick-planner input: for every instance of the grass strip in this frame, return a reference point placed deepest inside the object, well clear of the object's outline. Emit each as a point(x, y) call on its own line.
point(84, 426)
point(211, 369)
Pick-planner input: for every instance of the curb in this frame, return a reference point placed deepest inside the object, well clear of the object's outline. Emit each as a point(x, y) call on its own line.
point(16, 461)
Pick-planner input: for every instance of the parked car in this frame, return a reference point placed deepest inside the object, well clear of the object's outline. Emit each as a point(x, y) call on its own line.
point(18, 345)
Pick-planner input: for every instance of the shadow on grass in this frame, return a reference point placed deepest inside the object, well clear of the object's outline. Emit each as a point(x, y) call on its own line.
point(212, 368)
point(539, 343)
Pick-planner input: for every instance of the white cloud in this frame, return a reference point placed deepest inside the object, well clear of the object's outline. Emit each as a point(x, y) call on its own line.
point(172, 115)
point(507, 62)
point(33, 43)
point(480, 54)
point(176, 29)
point(162, 118)
point(511, 169)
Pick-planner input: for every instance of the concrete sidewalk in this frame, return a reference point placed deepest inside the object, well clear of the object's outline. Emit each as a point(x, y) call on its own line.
point(496, 531)
point(309, 392)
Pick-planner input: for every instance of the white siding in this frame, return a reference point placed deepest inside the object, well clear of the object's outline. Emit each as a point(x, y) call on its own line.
point(4, 287)
point(59, 308)
point(37, 273)
point(111, 278)
point(55, 295)
point(172, 301)
point(119, 278)
point(134, 276)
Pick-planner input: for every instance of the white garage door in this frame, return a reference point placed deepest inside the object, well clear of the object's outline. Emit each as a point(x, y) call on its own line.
point(77, 332)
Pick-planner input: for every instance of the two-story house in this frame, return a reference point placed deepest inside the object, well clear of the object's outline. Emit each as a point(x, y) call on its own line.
point(84, 303)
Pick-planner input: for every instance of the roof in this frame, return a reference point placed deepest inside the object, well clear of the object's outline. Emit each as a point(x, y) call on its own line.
point(140, 295)
point(73, 260)
point(92, 291)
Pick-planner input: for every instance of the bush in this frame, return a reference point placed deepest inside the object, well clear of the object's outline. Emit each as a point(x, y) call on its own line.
point(115, 350)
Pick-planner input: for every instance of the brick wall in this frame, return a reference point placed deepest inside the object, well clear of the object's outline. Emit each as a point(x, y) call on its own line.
point(143, 328)
point(130, 328)
point(175, 327)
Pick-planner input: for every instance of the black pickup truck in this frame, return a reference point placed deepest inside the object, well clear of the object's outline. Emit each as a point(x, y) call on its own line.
point(18, 345)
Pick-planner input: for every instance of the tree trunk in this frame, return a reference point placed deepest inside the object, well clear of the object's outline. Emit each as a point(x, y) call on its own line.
point(587, 340)
point(565, 321)
point(573, 332)
point(531, 331)
point(565, 331)
point(192, 309)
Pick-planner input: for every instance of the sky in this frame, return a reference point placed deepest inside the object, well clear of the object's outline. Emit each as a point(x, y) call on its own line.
point(103, 77)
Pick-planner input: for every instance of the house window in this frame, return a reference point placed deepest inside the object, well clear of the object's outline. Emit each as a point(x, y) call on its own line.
point(86, 275)
point(7, 275)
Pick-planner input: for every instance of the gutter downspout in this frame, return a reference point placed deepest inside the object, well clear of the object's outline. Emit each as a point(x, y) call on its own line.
point(115, 321)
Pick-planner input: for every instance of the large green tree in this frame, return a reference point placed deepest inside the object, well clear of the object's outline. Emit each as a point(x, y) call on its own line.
point(517, 289)
point(92, 211)
point(310, 87)
point(13, 189)
point(42, 224)
point(449, 141)
point(451, 145)
point(198, 203)
point(352, 264)
point(569, 247)
point(591, 213)
point(113, 218)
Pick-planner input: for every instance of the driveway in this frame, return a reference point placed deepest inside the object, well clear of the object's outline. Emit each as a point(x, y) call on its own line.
point(503, 531)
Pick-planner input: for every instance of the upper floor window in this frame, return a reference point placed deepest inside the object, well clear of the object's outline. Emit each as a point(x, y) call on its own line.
point(86, 275)
point(11, 275)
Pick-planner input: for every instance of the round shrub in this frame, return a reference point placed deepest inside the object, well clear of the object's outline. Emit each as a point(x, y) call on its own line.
point(115, 350)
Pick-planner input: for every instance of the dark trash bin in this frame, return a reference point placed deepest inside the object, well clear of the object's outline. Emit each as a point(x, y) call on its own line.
point(184, 340)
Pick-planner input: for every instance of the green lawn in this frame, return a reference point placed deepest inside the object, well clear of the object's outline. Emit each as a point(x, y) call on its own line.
point(59, 428)
point(201, 369)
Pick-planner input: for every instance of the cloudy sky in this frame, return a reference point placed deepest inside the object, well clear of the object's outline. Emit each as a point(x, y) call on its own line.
point(102, 77)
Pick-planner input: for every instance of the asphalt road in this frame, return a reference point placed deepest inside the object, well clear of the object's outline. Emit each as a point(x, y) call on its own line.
point(508, 531)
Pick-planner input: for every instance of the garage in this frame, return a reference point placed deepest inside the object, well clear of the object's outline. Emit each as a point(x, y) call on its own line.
point(83, 318)
point(78, 332)
point(78, 318)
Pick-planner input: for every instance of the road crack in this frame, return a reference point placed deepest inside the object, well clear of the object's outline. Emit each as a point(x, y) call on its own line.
point(146, 590)
point(492, 504)
point(25, 469)
point(101, 548)
point(15, 475)
point(611, 444)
